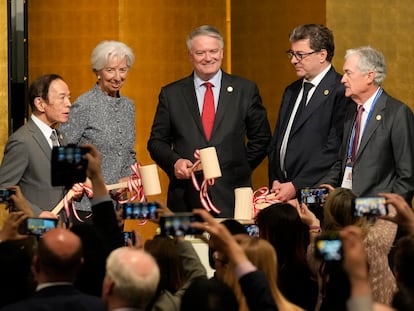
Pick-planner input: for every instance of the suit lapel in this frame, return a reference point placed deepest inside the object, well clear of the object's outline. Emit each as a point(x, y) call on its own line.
point(224, 101)
point(373, 122)
point(191, 101)
point(39, 138)
point(321, 93)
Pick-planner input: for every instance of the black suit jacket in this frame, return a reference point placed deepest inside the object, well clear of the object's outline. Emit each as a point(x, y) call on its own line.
point(241, 135)
point(58, 297)
point(315, 137)
point(256, 289)
point(385, 158)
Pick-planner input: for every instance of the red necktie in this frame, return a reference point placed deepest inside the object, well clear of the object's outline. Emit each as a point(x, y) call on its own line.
point(208, 114)
point(357, 130)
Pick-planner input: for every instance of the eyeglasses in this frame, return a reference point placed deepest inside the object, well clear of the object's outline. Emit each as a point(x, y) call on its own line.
point(299, 56)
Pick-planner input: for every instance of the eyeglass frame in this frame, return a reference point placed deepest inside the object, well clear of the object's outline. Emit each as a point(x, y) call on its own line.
point(299, 56)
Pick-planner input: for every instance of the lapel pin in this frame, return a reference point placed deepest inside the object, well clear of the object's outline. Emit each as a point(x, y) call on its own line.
point(378, 117)
point(326, 92)
point(229, 89)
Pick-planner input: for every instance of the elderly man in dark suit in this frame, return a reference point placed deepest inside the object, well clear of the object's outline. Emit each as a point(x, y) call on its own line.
point(55, 264)
point(27, 155)
point(308, 132)
point(381, 159)
point(236, 125)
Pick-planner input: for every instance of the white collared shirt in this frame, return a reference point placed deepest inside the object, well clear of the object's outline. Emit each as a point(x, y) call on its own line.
point(201, 89)
point(44, 128)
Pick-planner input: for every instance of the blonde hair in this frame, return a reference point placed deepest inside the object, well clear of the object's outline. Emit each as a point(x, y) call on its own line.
point(262, 254)
point(337, 211)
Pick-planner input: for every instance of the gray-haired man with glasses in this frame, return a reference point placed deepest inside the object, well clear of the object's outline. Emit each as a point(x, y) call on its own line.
point(308, 132)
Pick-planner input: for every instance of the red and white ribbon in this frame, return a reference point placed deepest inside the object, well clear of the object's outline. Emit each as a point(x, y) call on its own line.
point(203, 189)
point(134, 186)
point(67, 201)
point(262, 195)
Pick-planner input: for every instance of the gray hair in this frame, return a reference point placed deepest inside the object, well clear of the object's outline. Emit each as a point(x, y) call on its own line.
point(108, 49)
point(205, 30)
point(370, 59)
point(136, 280)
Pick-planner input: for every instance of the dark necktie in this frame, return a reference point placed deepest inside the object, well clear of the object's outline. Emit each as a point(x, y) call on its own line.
point(357, 130)
point(306, 88)
point(54, 138)
point(208, 113)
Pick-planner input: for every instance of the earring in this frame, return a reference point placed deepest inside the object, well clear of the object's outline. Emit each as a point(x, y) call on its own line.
point(99, 77)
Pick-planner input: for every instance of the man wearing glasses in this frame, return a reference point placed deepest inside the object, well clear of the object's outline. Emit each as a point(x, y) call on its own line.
point(308, 132)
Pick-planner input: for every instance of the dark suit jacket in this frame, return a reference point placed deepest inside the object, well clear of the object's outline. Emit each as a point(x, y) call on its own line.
point(385, 158)
point(26, 163)
point(315, 137)
point(256, 289)
point(177, 132)
point(59, 297)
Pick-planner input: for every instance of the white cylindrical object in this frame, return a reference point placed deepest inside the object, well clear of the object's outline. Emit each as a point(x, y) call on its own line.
point(210, 163)
point(243, 207)
point(150, 179)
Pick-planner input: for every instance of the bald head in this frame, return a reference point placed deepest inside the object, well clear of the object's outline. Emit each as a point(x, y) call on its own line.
point(131, 278)
point(59, 256)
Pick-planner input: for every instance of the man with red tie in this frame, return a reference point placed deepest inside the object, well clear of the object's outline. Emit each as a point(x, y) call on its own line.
point(208, 108)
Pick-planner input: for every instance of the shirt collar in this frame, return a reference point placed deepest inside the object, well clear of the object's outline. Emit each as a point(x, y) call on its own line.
point(315, 81)
point(215, 80)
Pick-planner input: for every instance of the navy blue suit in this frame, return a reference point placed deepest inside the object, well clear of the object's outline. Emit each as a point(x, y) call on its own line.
point(58, 297)
point(316, 135)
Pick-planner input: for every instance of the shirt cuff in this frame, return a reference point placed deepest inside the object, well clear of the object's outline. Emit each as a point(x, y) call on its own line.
point(244, 268)
point(361, 303)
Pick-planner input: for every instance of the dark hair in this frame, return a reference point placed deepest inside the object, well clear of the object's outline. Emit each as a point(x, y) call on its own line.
point(320, 38)
point(403, 261)
point(209, 295)
point(40, 88)
point(281, 225)
point(164, 250)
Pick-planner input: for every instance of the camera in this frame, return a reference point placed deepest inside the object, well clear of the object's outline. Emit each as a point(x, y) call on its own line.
point(179, 224)
point(38, 226)
point(328, 247)
point(140, 210)
point(369, 207)
point(5, 194)
point(312, 196)
point(68, 165)
point(129, 235)
point(252, 230)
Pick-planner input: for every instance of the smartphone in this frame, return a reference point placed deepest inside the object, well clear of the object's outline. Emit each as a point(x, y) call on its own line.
point(5, 194)
point(38, 226)
point(179, 224)
point(140, 210)
point(252, 230)
point(328, 247)
point(369, 207)
point(312, 196)
point(129, 235)
point(68, 165)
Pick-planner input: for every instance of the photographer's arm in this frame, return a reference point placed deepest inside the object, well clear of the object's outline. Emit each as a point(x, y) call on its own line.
point(104, 217)
point(253, 282)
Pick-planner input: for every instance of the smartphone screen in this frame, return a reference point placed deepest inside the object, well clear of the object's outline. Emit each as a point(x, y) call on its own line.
point(38, 226)
point(370, 207)
point(252, 230)
point(313, 195)
point(140, 210)
point(129, 235)
point(68, 165)
point(328, 248)
point(5, 194)
point(179, 224)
